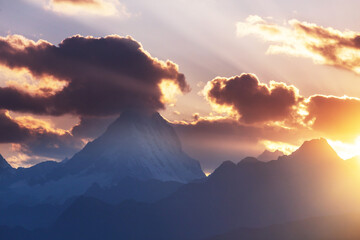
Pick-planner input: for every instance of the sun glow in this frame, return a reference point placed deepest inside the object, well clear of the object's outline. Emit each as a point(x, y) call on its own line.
point(281, 146)
point(169, 91)
point(346, 150)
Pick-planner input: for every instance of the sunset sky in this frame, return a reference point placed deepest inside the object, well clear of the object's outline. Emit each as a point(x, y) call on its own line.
point(234, 77)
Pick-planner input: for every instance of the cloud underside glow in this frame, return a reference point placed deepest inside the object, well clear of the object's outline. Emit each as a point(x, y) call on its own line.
point(44, 79)
point(94, 79)
point(252, 103)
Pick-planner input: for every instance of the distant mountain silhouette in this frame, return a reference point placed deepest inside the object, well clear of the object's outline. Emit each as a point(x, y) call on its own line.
point(4, 165)
point(311, 182)
point(314, 151)
point(268, 155)
point(133, 189)
point(30, 217)
point(249, 160)
point(6, 171)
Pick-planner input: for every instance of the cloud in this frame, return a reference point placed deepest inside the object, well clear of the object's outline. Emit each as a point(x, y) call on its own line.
point(88, 7)
point(11, 131)
point(253, 101)
point(51, 145)
point(323, 45)
point(103, 76)
point(274, 115)
point(337, 117)
point(214, 140)
point(37, 139)
point(92, 78)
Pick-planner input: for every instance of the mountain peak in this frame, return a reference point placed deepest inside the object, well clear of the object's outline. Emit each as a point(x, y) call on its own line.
point(268, 155)
point(316, 149)
point(227, 167)
point(248, 160)
point(139, 144)
point(4, 164)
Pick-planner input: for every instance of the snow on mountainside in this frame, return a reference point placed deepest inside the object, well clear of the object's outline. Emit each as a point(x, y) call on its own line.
point(4, 164)
point(138, 145)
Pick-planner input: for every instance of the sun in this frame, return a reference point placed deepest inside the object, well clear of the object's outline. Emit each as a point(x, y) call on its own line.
point(346, 150)
point(169, 91)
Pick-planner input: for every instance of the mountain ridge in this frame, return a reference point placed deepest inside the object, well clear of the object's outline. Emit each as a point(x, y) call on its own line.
point(139, 145)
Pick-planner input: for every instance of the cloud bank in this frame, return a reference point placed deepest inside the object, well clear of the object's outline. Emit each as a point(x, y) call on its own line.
point(103, 76)
point(277, 104)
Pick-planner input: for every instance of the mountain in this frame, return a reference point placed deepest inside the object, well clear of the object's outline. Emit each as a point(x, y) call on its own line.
point(6, 171)
point(268, 155)
point(315, 150)
point(138, 145)
point(4, 165)
point(133, 189)
point(248, 160)
point(311, 182)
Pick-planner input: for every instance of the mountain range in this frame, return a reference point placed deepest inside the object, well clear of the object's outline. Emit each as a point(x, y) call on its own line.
point(137, 145)
point(135, 182)
point(269, 155)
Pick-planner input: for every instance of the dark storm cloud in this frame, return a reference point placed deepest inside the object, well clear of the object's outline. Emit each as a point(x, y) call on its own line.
point(253, 101)
point(21, 101)
point(11, 131)
point(37, 140)
point(104, 75)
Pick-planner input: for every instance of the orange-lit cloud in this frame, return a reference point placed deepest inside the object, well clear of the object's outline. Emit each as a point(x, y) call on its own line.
point(215, 139)
point(281, 105)
point(38, 125)
point(23, 80)
point(284, 147)
point(323, 45)
point(88, 7)
point(34, 139)
point(19, 159)
point(337, 117)
point(274, 116)
point(169, 91)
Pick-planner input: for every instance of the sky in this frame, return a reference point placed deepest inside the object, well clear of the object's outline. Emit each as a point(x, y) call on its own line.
point(233, 77)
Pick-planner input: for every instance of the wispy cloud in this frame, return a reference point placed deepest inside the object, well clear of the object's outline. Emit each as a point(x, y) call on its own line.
point(324, 45)
point(106, 8)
